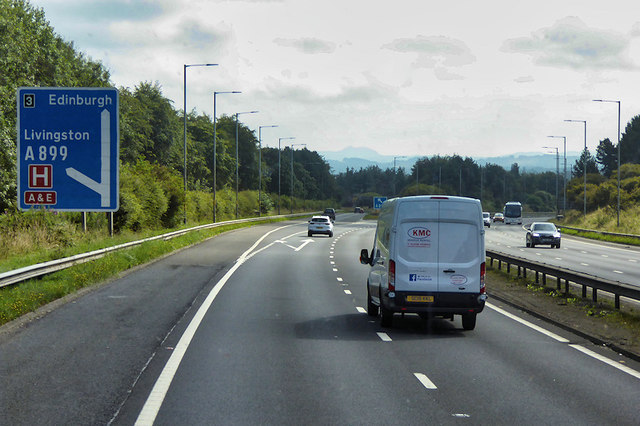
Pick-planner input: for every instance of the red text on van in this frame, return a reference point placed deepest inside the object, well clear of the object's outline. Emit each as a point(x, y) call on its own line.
point(419, 232)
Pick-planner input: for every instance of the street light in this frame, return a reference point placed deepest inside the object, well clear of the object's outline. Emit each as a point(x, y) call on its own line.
point(564, 176)
point(237, 180)
point(184, 153)
point(584, 166)
point(260, 168)
point(557, 173)
point(619, 165)
point(279, 140)
point(292, 145)
point(214, 150)
point(394, 172)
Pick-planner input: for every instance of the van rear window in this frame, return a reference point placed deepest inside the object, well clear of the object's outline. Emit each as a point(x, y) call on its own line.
point(458, 242)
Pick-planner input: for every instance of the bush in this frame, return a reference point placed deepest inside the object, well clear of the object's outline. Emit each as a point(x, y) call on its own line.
point(150, 197)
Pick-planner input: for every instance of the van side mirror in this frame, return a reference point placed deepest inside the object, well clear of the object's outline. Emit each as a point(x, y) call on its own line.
point(364, 257)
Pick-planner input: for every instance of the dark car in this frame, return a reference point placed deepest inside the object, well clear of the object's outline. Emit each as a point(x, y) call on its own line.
point(331, 213)
point(358, 210)
point(543, 233)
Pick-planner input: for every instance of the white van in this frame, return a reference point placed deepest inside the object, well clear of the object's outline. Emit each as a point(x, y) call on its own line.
point(428, 258)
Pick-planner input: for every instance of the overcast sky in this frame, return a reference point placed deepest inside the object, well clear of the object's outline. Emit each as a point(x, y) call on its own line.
point(403, 77)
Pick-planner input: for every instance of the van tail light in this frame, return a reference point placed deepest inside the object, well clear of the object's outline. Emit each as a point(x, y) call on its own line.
point(482, 275)
point(392, 275)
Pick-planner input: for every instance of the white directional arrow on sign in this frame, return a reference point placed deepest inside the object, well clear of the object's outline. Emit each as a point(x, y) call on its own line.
point(104, 186)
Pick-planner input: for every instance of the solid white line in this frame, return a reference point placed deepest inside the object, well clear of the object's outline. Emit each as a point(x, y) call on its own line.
point(608, 361)
point(384, 336)
point(151, 407)
point(527, 323)
point(361, 309)
point(425, 381)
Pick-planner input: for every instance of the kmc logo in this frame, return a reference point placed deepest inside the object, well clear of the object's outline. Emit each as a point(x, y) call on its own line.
point(419, 232)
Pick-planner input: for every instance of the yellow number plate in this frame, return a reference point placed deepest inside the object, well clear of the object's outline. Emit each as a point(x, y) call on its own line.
point(424, 299)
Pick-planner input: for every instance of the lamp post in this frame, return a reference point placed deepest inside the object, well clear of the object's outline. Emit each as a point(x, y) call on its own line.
point(557, 173)
point(292, 145)
point(215, 170)
point(260, 168)
point(619, 165)
point(237, 179)
point(394, 172)
point(279, 140)
point(564, 176)
point(184, 152)
point(584, 166)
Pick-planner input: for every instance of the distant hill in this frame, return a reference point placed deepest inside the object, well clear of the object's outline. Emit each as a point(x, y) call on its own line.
point(358, 157)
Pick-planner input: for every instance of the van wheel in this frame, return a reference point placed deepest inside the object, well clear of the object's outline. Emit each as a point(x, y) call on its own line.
point(330, 234)
point(309, 234)
point(372, 310)
point(558, 245)
point(386, 318)
point(468, 321)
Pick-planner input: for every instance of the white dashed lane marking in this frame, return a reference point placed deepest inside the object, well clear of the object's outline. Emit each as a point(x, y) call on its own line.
point(384, 336)
point(425, 381)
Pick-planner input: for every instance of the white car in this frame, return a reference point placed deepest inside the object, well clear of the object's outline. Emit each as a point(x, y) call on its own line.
point(320, 225)
point(486, 218)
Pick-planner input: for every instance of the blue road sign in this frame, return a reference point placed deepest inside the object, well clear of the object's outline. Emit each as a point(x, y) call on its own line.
point(377, 202)
point(68, 148)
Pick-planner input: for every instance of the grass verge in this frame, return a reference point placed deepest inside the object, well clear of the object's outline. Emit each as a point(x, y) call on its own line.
point(600, 237)
point(20, 299)
point(601, 321)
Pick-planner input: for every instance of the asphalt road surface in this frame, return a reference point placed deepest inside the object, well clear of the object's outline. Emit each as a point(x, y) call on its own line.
point(267, 326)
point(610, 261)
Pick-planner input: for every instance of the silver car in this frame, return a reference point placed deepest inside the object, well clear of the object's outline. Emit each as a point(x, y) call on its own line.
point(320, 225)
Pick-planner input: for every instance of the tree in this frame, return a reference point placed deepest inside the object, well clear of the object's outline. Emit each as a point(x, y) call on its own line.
point(578, 168)
point(630, 142)
point(607, 157)
point(32, 54)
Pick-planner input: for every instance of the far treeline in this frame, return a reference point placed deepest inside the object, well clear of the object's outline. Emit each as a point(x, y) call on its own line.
point(151, 152)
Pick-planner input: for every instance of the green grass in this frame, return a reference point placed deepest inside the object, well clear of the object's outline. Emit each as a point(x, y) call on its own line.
point(26, 297)
point(604, 309)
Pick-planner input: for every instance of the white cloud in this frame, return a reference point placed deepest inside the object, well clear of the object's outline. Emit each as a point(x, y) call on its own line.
point(571, 43)
point(434, 50)
point(525, 79)
point(307, 45)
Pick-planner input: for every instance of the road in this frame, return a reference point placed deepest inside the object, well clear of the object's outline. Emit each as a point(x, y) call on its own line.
point(281, 337)
point(610, 261)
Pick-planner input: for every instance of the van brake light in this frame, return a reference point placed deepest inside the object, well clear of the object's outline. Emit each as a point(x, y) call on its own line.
point(392, 275)
point(483, 288)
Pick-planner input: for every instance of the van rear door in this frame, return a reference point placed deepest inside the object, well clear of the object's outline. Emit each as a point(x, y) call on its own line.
point(417, 246)
point(460, 247)
point(439, 246)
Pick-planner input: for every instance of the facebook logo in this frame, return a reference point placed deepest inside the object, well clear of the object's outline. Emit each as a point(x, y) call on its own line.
point(413, 277)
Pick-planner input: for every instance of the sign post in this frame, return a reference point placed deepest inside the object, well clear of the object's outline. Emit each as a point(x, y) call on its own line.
point(377, 202)
point(68, 148)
